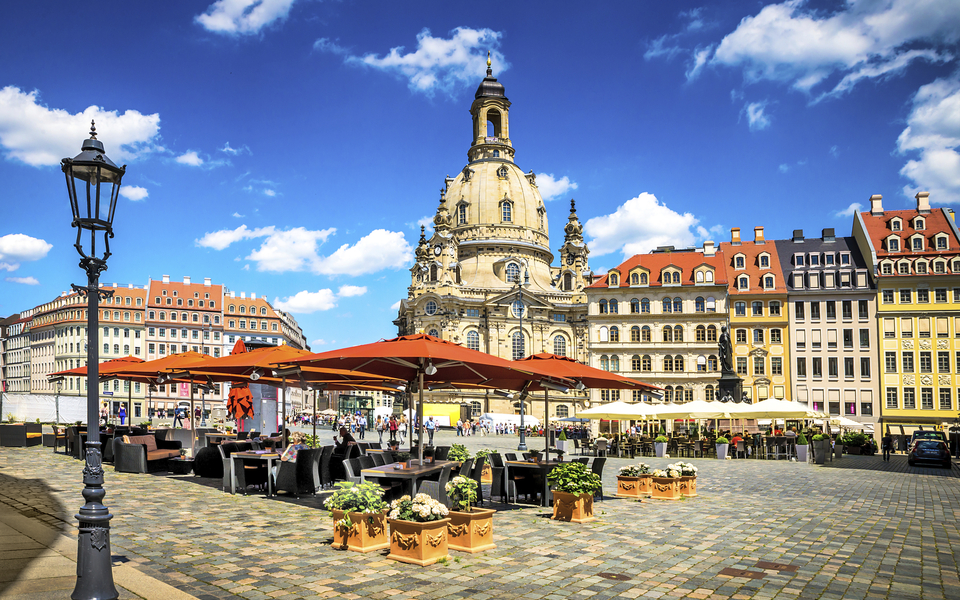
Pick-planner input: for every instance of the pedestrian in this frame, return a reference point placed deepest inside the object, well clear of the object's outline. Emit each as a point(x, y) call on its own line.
point(431, 427)
point(380, 428)
point(361, 425)
point(887, 445)
point(459, 427)
point(177, 417)
point(402, 428)
point(122, 414)
point(394, 427)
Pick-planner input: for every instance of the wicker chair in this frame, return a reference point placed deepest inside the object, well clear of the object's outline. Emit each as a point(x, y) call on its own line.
point(437, 489)
point(301, 476)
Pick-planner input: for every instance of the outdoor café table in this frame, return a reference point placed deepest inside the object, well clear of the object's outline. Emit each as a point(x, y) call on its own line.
point(413, 474)
point(216, 438)
point(542, 467)
point(266, 455)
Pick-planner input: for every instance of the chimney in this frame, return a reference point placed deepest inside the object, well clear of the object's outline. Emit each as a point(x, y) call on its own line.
point(233, 294)
point(253, 295)
point(207, 282)
point(923, 202)
point(876, 205)
point(166, 279)
point(758, 235)
point(829, 235)
point(129, 286)
point(243, 295)
point(709, 248)
point(797, 236)
point(735, 236)
point(186, 279)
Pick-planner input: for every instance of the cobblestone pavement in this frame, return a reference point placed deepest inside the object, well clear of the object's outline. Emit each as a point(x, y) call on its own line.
point(859, 528)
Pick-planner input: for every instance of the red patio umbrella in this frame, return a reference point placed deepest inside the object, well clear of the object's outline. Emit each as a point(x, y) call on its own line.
point(426, 360)
point(105, 372)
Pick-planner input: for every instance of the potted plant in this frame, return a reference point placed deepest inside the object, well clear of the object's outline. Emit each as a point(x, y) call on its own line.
point(534, 456)
point(359, 518)
point(574, 489)
point(634, 481)
point(837, 447)
point(418, 530)
point(688, 479)
point(854, 443)
point(562, 440)
point(486, 475)
point(666, 483)
point(660, 446)
point(821, 446)
point(722, 445)
point(559, 452)
point(801, 447)
point(470, 528)
point(403, 458)
point(458, 452)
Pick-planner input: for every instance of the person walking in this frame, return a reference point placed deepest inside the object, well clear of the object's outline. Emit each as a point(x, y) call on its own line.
point(379, 426)
point(394, 427)
point(402, 429)
point(431, 427)
point(177, 418)
point(361, 425)
point(122, 414)
point(887, 445)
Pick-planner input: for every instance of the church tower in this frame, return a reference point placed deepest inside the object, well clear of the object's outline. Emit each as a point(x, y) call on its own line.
point(488, 262)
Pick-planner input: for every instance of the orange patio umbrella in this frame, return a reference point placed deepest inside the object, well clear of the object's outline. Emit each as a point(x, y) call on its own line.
point(106, 370)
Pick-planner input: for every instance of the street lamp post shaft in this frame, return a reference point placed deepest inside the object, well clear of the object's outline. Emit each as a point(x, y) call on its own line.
point(522, 446)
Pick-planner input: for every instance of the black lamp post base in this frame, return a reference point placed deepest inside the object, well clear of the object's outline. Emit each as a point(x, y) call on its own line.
point(94, 559)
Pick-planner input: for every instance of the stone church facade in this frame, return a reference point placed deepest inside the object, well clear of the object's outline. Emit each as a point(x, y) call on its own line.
point(485, 278)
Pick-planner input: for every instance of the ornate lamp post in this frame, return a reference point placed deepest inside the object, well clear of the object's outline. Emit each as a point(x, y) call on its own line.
point(99, 183)
point(518, 310)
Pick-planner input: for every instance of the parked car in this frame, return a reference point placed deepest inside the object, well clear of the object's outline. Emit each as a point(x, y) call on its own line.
point(926, 450)
point(927, 434)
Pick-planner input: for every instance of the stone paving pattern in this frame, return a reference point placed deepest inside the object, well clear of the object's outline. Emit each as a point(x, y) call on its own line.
point(859, 528)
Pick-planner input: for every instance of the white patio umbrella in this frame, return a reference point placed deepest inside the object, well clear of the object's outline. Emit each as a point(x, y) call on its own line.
point(772, 408)
point(619, 411)
point(847, 423)
point(697, 409)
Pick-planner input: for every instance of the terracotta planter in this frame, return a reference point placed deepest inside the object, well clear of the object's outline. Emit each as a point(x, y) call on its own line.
point(634, 487)
point(418, 543)
point(666, 488)
point(575, 508)
point(688, 486)
point(486, 476)
point(367, 534)
point(471, 531)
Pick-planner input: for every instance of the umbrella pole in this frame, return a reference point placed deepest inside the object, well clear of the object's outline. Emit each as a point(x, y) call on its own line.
point(283, 411)
point(129, 402)
point(314, 416)
point(193, 427)
point(419, 423)
point(546, 422)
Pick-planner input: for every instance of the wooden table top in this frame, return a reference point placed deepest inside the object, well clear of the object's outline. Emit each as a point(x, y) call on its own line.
point(390, 470)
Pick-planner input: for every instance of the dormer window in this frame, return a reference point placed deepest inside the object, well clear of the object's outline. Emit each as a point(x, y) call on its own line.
point(643, 279)
point(814, 260)
point(740, 262)
point(764, 261)
point(513, 272)
point(709, 276)
point(904, 267)
point(676, 277)
point(502, 172)
point(634, 279)
point(896, 225)
point(462, 214)
point(956, 266)
point(768, 282)
point(921, 267)
point(798, 260)
point(844, 258)
point(699, 276)
point(893, 245)
point(828, 259)
point(942, 242)
point(918, 224)
point(916, 242)
point(614, 280)
point(506, 211)
point(886, 268)
point(743, 283)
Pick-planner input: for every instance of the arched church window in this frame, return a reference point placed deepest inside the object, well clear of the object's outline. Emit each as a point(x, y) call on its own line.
point(560, 345)
point(473, 340)
point(433, 273)
point(513, 272)
point(462, 214)
point(434, 333)
point(518, 350)
point(567, 282)
point(506, 211)
point(496, 154)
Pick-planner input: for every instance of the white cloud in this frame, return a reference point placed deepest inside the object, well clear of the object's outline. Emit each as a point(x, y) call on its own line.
point(269, 192)
point(243, 17)
point(307, 302)
point(40, 136)
point(378, 250)
point(834, 151)
point(784, 167)
point(23, 280)
point(290, 250)
point(320, 342)
point(641, 225)
point(659, 47)
point(238, 215)
point(190, 158)
point(235, 151)
point(218, 240)
point(792, 43)
point(849, 211)
point(700, 56)
point(395, 305)
point(425, 222)
point(933, 131)
point(757, 119)
point(437, 63)
point(346, 291)
point(16, 248)
point(551, 188)
point(133, 192)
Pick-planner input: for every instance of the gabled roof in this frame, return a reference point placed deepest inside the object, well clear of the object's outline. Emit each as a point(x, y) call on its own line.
point(185, 291)
point(751, 252)
point(686, 260)
point(935, 223)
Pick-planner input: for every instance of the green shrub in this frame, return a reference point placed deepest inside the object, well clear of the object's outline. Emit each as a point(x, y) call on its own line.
point(722, 440)
point(563, 435)
point(350, 497)
point(855, 440)
point(801, 440)
point(575, 478)
point(818, 437)
point(458, 452)
point(662, 439)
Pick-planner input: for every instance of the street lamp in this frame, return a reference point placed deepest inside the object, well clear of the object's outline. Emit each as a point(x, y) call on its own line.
point(59, 388)
point(93, 211)
point(518, 310)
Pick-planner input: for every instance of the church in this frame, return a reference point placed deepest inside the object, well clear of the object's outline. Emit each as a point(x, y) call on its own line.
point(485, 278)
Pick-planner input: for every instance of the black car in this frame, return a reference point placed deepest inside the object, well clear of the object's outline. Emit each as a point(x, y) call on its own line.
point(925, 450)
point(928, 434)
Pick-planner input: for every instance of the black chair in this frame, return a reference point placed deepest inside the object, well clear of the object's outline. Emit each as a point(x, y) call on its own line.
point(253, 472)
point(510, 456)
point(378, 459)
point(388, 457)
point(576, 446)
point(501, 487)
point(441, 452)
point(597, 467)
point(301, 476)
point(242, 435)
point(226, 449)
point(741, 448)
point(59, 435)
point(477, 475)
point(351, 469)
point(583, 460)
point(325, 456)
point(366, 462)
point(437, 489)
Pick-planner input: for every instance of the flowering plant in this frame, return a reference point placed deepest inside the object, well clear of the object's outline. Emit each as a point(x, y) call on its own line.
point(462, 491)
point(635, 470)
point(350, 497)
point(686, 469)
point(421, 508)
point(671, 472)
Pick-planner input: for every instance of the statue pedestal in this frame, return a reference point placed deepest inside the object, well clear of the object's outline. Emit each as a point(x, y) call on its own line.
point(730, 386)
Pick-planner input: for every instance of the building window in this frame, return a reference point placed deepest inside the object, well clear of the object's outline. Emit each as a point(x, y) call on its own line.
point(757, 309)
point(614, 307)
point(602, 307)
point(518, 346)
point(740, 262)
point(816, 364)
point(946, 402)
point(699, 304)
point(741, 336)
point(892, 398)
point(462, 214)
point(668, 334)
point(473, 340)
point(741, 365)
point(740, 309)
point(758, 336)
point(833, 367)
point(798, 310)
point(926, 398)
point(700, 333)
point(776, 336)
point(614, 334)
point(743, 283)
point(646, 364)
point(759, 366)
point(506, 212)
point(774, 309)
point(906, 296)
point(864, 338)
point(635, 334)
point(893, 245)
point(776, 365)
point(923, 295)
point(801, 366)
point(634, 306)
point(907, 362)
point(712, 333)
point(645, 306)
point(848, 367)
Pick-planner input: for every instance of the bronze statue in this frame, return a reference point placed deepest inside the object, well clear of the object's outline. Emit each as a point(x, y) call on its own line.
point(726, 351)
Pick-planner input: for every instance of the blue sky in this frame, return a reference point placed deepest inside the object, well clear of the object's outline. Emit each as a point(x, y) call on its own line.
point(291, 147)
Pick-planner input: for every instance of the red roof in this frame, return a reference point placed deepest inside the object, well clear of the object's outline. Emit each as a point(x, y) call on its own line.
point(751, 252)
point(935, 222)
point(655, 262)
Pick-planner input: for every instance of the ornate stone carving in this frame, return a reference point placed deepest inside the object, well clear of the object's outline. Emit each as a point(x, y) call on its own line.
point(908, 344)
point(926, 380)
point(943, 344)
point(943, 379)
point(926, 344)
point(909, 380)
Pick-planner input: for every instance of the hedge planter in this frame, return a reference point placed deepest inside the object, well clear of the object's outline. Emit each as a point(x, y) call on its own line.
point(471, 531)
point(820, 450)
point(852, 449)
point(660, 449)
point(838, 450)
point(801, 453)
point(634, 487)
point(688, 486)
point(418, 543)
point(722, 451)
point(367, 534)
point(575, 508)
point(666, 488)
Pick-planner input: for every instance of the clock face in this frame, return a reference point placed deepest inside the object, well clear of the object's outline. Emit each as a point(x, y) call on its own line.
point(570, 259)
point(437, 250)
